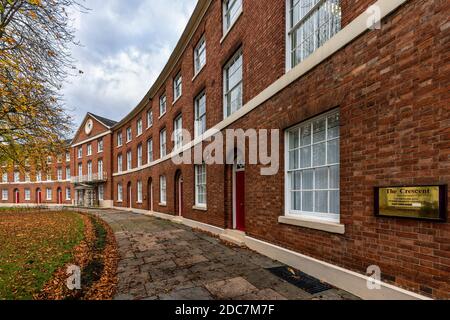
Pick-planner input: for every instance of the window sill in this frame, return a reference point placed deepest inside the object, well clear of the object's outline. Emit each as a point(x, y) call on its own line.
point(119, 201)
point(200, 208)
point(139, 135)
point(162, 204)
point(162, 115)
point(139, 202)
point(313, 224)
point(176, 100)
point(198, 72)
point(232, 25)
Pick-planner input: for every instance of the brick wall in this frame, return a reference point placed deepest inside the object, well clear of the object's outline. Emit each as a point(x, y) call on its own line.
point(391, 88)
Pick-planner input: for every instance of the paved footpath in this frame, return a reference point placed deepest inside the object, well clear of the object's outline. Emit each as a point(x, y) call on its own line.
point(164, 260)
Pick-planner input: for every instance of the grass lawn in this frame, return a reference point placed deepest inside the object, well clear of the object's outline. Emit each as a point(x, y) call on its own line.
point(32, 247)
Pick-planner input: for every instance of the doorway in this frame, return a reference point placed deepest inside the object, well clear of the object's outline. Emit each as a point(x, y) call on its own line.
point(150, 195)
point(179, 193)
point(129, 196)
point(16, 196)
point(38, 196)
point(239, 197)
point(59, 196)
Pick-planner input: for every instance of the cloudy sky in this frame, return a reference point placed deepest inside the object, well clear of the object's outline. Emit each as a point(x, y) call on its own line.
point(125, 45)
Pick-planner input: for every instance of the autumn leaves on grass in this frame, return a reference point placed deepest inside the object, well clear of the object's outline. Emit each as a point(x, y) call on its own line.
point(37, 248)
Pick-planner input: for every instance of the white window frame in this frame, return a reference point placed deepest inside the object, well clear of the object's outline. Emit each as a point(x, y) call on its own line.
point(119, 139)
point(27, 177)
point(100, 169)
point(89, 149)
point(149, 118)
point(200, 55)
point(307, 15)
point(101, 192)
point(328, 217)
point(162, 105)
point(59, 174)
point(200, 170)
point(139, 126)
point(68, 173)
point(139, 191)
point(100, 145)
point(119, 192)
point(129, 135)
point(89, 170)
point(49, 194)
point(5, 195)
point(67, 156)
point(27, 194)
point(129, 160)
point(228, 21)
point(80, 170)
point(39, 176)
point(16, 176)
point(150, 150)
point(139, 156)
point(163, 143)
point(4, 177)
point(178, 132)
point(226, 90)
point(162, 190)
point(80, 152)
point(177, 87)
point(120, 163)
point(200, 125)
point(68, 194)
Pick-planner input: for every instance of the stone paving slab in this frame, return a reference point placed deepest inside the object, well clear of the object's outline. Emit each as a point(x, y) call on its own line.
point(167, 261)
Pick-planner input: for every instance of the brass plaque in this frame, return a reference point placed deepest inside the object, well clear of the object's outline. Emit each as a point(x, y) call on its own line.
point(420, 202)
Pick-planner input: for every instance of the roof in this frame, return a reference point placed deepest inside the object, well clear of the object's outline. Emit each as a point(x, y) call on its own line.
point(107, 122)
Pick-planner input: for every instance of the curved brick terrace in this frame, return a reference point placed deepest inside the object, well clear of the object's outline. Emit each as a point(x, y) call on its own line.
point(164, 260)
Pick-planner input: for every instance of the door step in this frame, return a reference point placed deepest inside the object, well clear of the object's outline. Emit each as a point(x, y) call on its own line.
point(235, 237)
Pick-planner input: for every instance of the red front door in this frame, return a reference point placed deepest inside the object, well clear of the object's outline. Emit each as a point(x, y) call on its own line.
point(39, 197)
point(59, 197)
point(16, 196)
point(240, 200)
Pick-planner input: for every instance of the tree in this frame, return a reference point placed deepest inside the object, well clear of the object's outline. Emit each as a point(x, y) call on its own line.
point(35, 60)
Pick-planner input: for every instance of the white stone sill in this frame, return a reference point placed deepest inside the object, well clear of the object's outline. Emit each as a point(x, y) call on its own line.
point(313, 224)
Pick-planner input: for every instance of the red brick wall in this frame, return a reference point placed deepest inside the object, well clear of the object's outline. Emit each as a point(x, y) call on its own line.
point(98, 129)
point(392, 91)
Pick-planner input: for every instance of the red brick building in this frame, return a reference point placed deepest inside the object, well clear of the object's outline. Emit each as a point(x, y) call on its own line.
point(358, 105)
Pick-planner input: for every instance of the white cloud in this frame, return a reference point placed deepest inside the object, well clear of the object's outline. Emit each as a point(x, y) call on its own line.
point(125, 45)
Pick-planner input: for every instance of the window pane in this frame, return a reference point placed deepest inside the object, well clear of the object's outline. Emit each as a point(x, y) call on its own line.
point(321, 201)
point(305, 157)
point(296, 180)
point(293, 139)
point(306, 136)
point(319, 154)
point(293, 159)
point(333, 126)
point(296, 201)
point(321, 180)
point(319, 130)
point(334, 202)
point(333, 151)
point(307, 201)
point(334, 177)
point(308, 178)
